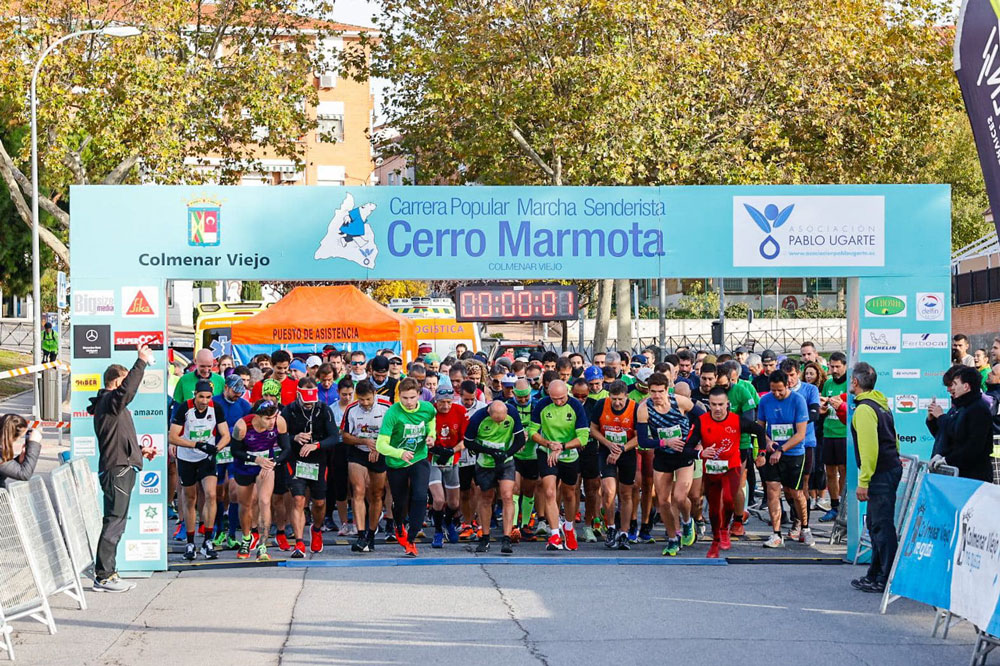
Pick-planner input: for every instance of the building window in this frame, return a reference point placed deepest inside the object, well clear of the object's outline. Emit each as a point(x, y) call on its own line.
point(392, 178)
point(733, 285)
point(330, 128)
point(330, 175)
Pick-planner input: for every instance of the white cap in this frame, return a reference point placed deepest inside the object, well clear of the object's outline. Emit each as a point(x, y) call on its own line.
point(314, 361)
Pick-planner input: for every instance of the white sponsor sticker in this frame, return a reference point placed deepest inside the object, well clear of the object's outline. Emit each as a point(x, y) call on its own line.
point(945, 403)
point(925, 340)
point(140, 301)
point(84, 446)
point(142, 550)
point(880, 341)
point(152, 381)
point(154, 440)
point(930, 306)
point(906, 404)
point(150, 519)
point(906, 373)
point(809, 231)
point(95, 302)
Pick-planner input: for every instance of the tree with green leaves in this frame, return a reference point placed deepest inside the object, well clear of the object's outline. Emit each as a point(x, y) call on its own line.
point(203, 80)
point(629, 92)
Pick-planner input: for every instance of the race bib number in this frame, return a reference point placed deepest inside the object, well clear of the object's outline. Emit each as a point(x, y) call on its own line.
point(257, 454)
point(413, 434)
point(782, 432)
point(669, 432)
point(716, 466)
point(616, 436)
point(307, 471)
point(498, 446)
point(224, 457)
point(567, 456)
point(200, 435)
point(996, 450)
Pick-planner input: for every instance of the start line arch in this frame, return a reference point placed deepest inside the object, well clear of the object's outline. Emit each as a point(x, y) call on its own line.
point(128, 241)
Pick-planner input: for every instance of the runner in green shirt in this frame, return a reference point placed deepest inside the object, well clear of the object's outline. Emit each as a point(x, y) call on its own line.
point(834, 432)
point(562, 428)
point(408, 428)
point(204, 360)
point(496, 434)
point(525, 464)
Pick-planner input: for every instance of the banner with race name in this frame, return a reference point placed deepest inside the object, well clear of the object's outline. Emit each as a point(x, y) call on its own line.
point(949, 555)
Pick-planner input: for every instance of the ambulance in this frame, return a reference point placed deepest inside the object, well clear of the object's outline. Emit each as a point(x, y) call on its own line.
point(436, 325)
point(214, 327)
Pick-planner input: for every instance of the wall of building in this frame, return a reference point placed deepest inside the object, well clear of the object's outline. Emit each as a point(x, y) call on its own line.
point(981, 322)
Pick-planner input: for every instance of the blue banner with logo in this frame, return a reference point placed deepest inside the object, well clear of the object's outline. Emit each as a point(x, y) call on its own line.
point(977, 67)
point(949, 555)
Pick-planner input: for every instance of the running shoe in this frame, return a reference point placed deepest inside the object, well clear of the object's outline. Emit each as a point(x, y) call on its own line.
point(542, 530)
point(244, 552)
point(812, 504)
point(807, 537)
point(588, 535)
point(421, 534)
point(673, 547)
point(254, 540)
point(352, 529)
point(299, 551)
point(438, 541)
point(452, 533)
point(527, 533)
point(180, 534)
point(622, 542)
point(860, 583)
point(232, 543)
point(738, 529)
point(713, 550)
point(189, 552)
point(688, 534)
point(371, 543)
point(345, 530)
point(775, 541)
point(484, 544)
point(795, 532)
point(724, 542)
point(411, 550)
point(361, 545)
point(828, 516)
point(112, 583)
point(401, 538)
point(467, 531)
point(874, 587)
point(823, 503)
point(505, 547)
point(646, 534)
point(281, 541)
point(171, 512)
point(262, 555)
point(611, 538)
point(208, 550)
point(515, 535)
point(702, 527)
point(555, 543)
point(329, 525)
point(220, 540)
point(570, 538)
point(633, 534)
point(316, 543)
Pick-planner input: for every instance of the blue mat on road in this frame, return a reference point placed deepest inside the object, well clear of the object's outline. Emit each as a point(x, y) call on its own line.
point(534, 561)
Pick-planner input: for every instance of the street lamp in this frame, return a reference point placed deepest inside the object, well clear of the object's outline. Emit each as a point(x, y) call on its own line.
point(111, 31)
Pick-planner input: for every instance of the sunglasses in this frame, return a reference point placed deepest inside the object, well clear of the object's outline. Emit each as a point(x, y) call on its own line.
point(357, 362)
point(264, 405)
point(395, 363)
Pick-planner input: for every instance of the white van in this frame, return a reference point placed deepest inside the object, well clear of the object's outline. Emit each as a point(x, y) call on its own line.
point(436, 325)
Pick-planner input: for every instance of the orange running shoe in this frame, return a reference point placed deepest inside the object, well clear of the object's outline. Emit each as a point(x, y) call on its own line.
point(570, 537)
point(316, 545)
point(713, 550)
point(282, 541)
point(724, 542)
point(515, 535)
point(555, 543)
point(738, 529)
point(411, 549)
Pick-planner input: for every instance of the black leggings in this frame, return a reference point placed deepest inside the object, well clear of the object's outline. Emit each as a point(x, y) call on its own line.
point(410, 484)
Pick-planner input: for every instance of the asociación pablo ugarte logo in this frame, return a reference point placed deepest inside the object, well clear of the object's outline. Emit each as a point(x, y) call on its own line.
point(769, 220)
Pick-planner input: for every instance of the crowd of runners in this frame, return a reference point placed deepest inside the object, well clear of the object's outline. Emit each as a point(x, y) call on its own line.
point(618, 450)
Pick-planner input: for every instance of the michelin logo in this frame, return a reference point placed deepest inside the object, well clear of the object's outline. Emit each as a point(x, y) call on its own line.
point(349, 235)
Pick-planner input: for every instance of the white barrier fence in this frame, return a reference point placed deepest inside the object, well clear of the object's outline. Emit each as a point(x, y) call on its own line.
point(45, 547)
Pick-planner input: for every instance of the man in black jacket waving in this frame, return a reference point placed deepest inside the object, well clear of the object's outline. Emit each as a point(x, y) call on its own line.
point(963, 437)
point(120, 460)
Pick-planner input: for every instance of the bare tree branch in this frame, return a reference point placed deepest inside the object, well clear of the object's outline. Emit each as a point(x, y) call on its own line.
point(24, 184)
point(526, 147)
point(117, 175)
point(7, 171)
point(74, 161)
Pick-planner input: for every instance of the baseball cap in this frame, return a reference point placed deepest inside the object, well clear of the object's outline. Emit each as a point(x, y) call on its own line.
point(235, 384)
point(768, 355)
point(636, 363)
point(522, 358)
point(314, 361)
point(380, 364)
point(432, 358)
point(535, 356)
point(505, 362)
point(203, 386)
point(741, 350)
point(297, 365)
point(643, 375)
point(593, 373)
point(270, 387)
point(508, 380)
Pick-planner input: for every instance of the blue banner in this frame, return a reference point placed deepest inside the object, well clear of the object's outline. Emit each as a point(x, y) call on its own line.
point(949, 556)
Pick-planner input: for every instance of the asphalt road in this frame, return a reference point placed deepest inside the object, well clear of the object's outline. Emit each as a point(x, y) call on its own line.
point(495, 614)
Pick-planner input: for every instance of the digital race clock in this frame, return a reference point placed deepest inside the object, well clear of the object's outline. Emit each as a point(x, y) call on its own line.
point(498, 303)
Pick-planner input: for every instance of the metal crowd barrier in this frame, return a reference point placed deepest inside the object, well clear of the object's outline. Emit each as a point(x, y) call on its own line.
point(904, 494)
point(839, 531)
point(45, 540)
point(87, 492)
point(71, 520)
point(21, 590)
point(996, 459)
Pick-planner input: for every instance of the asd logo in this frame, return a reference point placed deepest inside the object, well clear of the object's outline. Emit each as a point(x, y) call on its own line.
point(150, 483)
point(768, 221)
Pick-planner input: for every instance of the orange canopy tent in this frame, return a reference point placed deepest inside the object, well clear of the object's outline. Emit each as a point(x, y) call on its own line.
point(310, 317)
